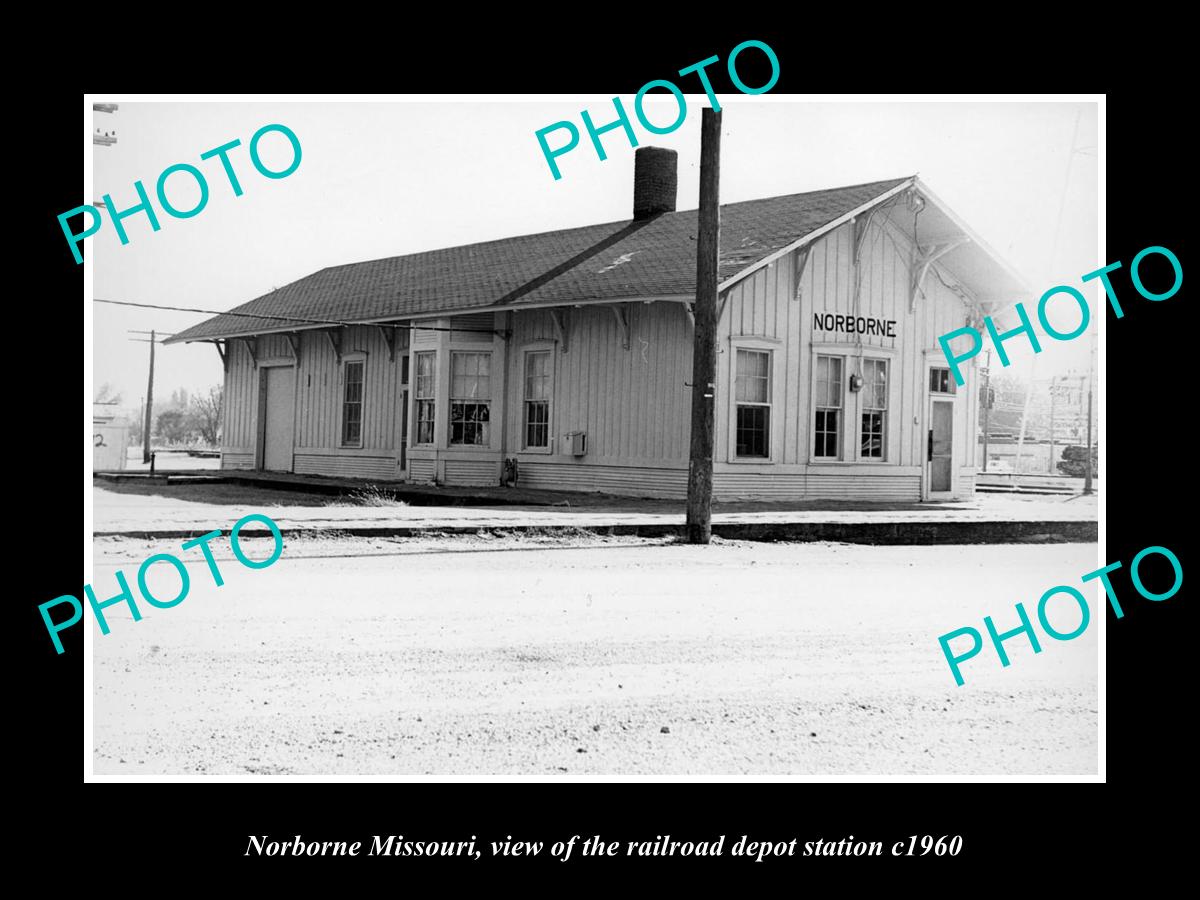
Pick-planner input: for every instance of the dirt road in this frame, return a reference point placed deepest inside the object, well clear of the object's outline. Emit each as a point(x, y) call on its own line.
point(474, 656)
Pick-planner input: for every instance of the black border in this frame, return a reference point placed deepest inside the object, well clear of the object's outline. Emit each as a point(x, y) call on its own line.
point(1146, 471)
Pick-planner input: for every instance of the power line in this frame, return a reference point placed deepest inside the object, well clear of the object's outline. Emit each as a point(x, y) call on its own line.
point(291, 320)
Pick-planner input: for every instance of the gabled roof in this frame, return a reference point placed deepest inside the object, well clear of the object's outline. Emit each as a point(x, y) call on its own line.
point(653, 257)
point(648, 258)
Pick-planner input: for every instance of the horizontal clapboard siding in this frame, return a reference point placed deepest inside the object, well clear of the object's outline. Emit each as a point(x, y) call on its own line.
point(626, 481)
point(632, 403)
point(346, 466)
point(473, 472)
point(752, 486)
point(422, 470)
point(864, 487)
point(476, 328)
point(231, 459)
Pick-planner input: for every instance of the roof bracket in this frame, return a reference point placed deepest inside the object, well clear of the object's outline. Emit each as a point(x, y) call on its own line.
point(923, 263)
point(690, 309)
point(801, 265)
point(621, 314)
point(861, 226)
point(335, 341)
point(294, 342)
point(252, 348)
point(560, 329)
point(221, 351)
point(389, 338)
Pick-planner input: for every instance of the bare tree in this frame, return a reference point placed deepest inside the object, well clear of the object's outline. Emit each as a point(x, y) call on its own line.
point(107, 394)
point(206, 414)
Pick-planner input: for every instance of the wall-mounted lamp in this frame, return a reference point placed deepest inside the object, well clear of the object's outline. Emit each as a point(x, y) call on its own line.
point(856, 382)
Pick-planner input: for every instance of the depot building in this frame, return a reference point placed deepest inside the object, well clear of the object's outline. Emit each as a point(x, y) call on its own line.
point(570, 353)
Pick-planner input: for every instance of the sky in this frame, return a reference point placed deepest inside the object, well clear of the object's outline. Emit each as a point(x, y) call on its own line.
point(380, 179)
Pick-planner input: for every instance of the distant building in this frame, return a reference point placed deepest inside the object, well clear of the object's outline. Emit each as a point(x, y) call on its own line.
point(570, 351)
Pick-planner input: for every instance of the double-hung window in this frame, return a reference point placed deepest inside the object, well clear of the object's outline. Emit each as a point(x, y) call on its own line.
point(470, 398)
point(828, 425)
point(537, 399)
point(352, 403)
point(752, 383)
point(874, 409)
point(940, 381)
point(424, 396)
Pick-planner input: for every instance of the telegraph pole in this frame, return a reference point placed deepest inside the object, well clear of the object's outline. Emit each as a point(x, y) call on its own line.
point(1053, 394)
point(149, 391)
point(149, 404)
point(1087, 476)
point(704, 347)
point(987, 405)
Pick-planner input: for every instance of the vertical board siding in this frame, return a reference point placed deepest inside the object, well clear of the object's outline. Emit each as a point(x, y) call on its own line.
point(632, 404)
point(766, 306)
point(320, 389)
point(241, 400)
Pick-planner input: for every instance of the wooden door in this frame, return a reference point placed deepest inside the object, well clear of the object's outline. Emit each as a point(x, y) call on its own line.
point(279, 418)
point(941, 447)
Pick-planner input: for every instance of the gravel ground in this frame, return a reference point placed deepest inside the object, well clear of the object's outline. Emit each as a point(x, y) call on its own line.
point(527, 655)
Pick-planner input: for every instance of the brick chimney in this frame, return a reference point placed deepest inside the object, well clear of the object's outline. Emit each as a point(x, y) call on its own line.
point(655, 181)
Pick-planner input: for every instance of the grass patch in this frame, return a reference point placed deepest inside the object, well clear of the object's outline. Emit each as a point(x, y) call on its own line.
point(369, 495)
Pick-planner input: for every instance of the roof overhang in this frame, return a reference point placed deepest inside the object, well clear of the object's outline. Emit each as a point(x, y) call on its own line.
point(815, 235)
point(981, 269)
point(969, 258)
point(301, 325)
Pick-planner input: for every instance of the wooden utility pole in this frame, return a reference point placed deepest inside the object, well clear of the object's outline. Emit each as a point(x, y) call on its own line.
point(1087, 476)
point(704, 346)
point(149, 404)
point(1053, 395)
point(149, 390)
point(987, 405)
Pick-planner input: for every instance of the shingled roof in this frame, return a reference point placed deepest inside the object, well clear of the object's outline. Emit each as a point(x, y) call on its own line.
point(654, 257)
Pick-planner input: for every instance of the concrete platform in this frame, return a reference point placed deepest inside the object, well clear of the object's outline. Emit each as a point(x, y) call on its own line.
point(162, 510)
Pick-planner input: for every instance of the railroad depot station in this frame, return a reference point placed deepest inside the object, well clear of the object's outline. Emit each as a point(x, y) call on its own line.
point(570, 352)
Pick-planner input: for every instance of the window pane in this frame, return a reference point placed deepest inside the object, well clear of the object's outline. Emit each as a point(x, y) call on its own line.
point(470, 376)
point(424, 422)
point(826, 430)
point(537, 397)
point(352, 403)
point(537, 417)
point(874, 392)
point(829, 381)
point(872, 435)
point(753, 430)
point(753, 377)
point(940, 381)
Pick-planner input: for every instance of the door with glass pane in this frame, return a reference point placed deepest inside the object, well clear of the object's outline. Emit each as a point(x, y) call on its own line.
point(941, 447)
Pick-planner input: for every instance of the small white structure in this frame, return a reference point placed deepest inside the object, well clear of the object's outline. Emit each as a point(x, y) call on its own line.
point(110, 439)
